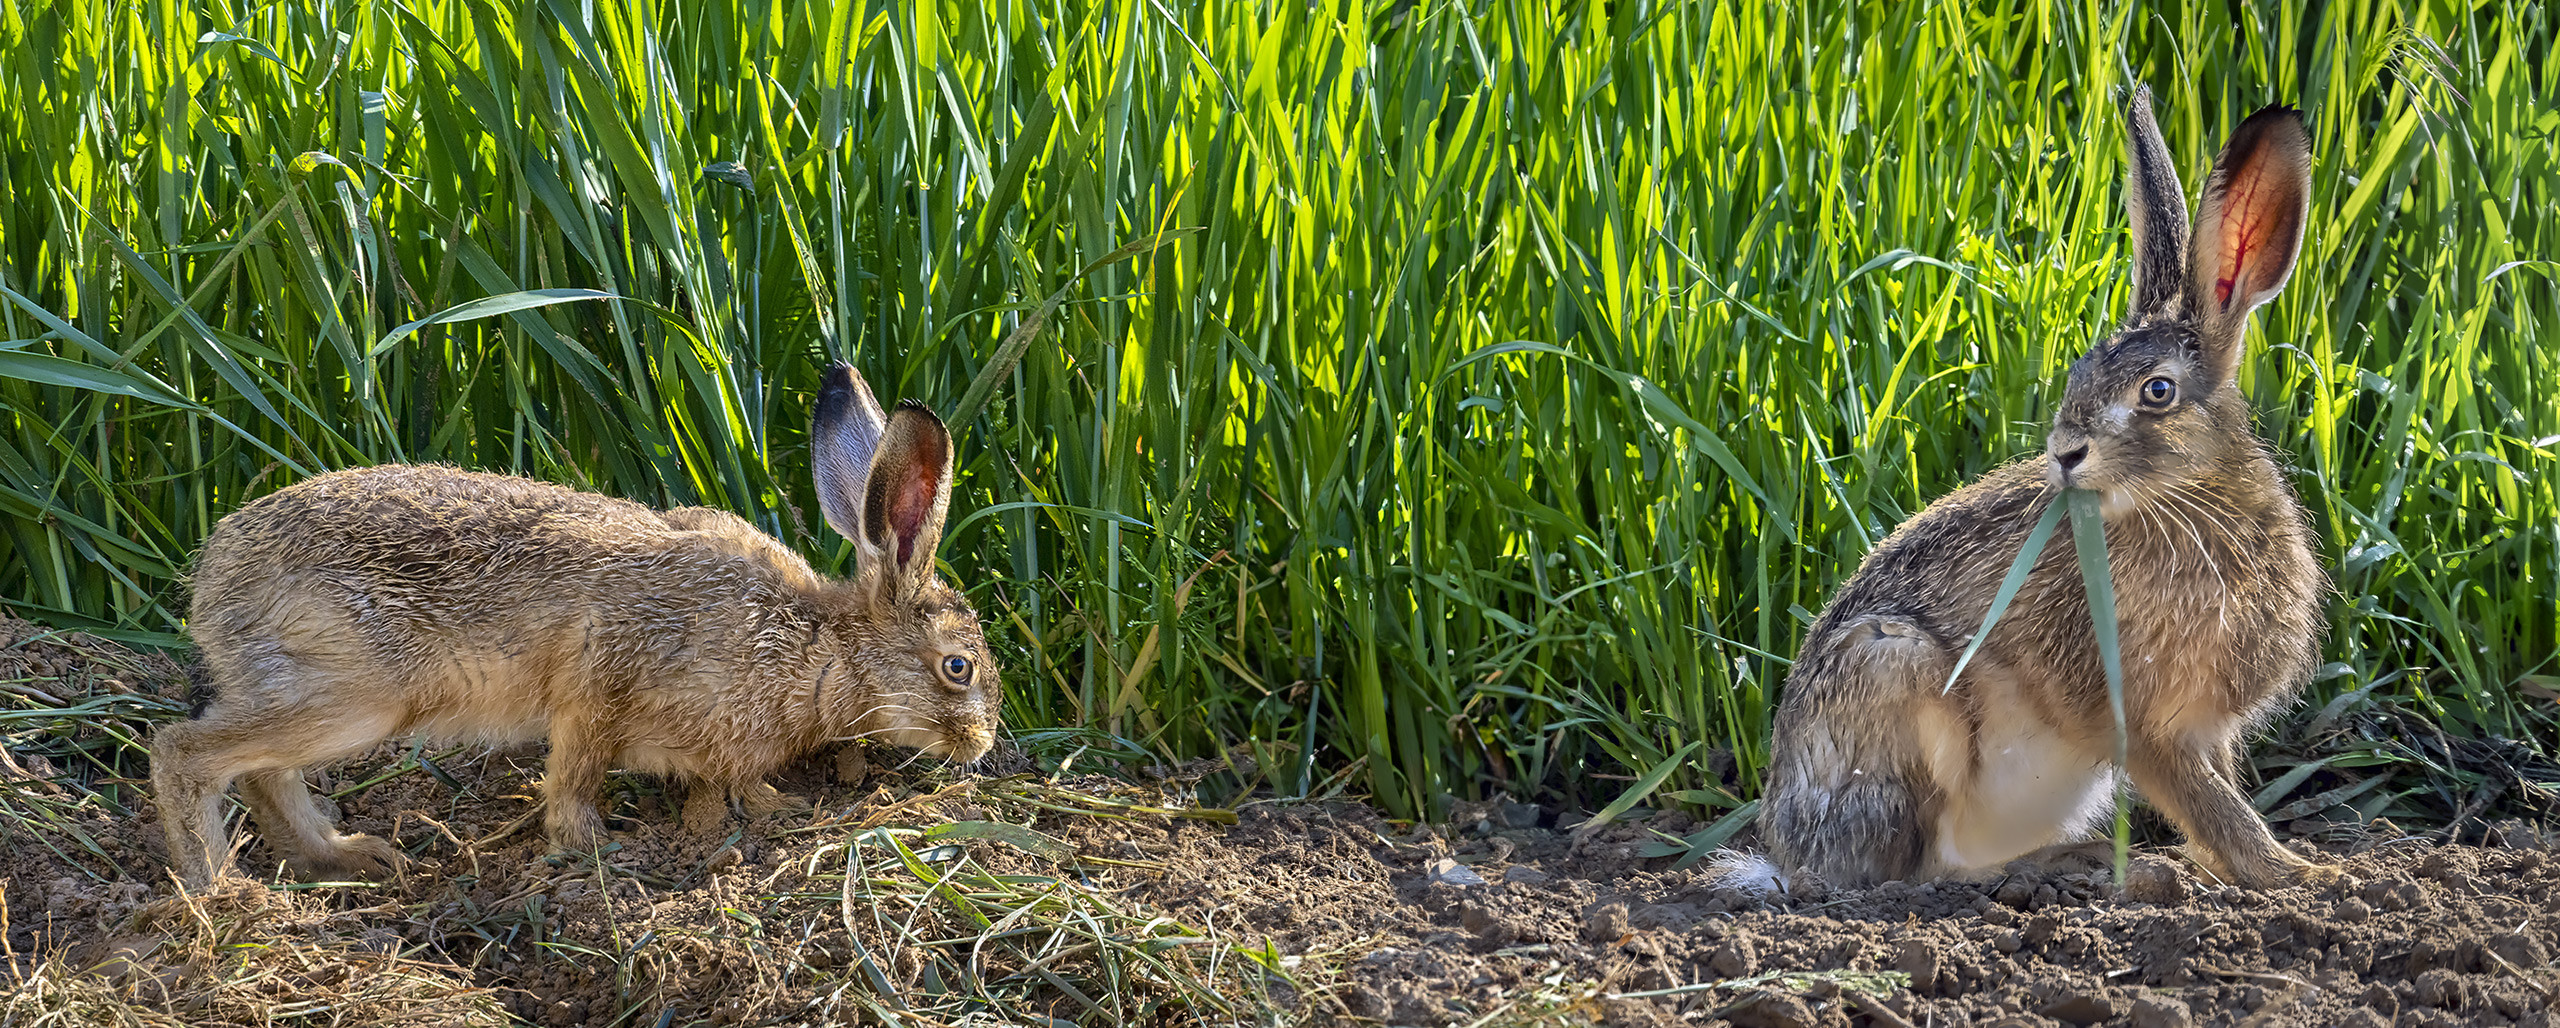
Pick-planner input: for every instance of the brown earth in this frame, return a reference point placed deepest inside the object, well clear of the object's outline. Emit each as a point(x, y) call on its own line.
point(1127, 903)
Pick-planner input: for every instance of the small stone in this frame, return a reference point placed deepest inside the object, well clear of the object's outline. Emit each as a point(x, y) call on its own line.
point(2352, 910)
point(2151, 1011)
point(2154, 879)
point(1445, 871)
point(2089, 1007)
point(1526, 875)
point(1520, 815)
point(2007, 941)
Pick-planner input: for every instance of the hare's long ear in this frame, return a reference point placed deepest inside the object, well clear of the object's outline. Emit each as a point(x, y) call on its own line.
point(2155, 206)
point(2249, 229)
point(844, 433)
point(909, 492)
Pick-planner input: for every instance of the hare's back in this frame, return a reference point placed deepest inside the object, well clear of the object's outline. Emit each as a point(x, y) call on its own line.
point(425, 520)
point(1938, 570)
point(397, 551)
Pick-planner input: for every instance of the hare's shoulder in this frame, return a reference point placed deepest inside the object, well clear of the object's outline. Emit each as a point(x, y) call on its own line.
point(1981, 524)
point(721, 532)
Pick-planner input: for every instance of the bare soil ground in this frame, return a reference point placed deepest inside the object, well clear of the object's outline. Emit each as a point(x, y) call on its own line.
point(935, 897)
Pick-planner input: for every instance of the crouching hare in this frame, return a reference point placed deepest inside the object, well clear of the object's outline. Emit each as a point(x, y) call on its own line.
point(1881, 771)
point(378, 603)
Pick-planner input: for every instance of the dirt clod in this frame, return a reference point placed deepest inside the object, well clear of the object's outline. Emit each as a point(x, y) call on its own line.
point(2153, 879)
point(2153, 1011)
point(2080, 1007)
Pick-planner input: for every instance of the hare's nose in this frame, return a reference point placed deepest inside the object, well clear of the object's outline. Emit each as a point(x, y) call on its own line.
point(2069, 460)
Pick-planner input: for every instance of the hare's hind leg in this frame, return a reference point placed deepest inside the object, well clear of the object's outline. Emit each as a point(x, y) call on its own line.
point(2190, 781)
point(188, 790)
point(192, 762)
point(1851, 795)
point(296, 827)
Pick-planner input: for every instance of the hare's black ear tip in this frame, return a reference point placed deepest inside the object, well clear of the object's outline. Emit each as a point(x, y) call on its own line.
point(2274, 114)
point(838, 383)
point(837, 392)
point(917, 406)
point(2277, 125)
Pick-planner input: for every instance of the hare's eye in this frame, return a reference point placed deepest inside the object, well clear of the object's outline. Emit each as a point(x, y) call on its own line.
point(956, 668)
point(2159, 392)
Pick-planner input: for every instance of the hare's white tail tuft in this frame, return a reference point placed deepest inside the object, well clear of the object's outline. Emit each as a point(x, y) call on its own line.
point(1749, 872)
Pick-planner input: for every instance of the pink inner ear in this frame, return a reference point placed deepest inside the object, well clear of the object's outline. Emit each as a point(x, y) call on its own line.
point(2244, 227)
point(907, 511)
point(910, 500)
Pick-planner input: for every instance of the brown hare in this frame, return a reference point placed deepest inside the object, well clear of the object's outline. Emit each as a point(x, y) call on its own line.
point(1881, 771)
point(384, 602)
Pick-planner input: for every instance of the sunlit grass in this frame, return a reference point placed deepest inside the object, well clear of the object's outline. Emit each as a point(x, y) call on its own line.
point(1521, 378)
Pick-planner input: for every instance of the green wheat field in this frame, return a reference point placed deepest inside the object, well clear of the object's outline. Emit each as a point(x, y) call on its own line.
point(1422, 399)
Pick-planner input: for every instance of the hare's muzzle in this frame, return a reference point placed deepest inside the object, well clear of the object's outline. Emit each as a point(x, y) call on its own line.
point(968, 744)
point(2066, 452)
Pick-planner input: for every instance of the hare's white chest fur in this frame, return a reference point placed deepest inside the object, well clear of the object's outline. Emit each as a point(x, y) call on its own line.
point(2025, 785)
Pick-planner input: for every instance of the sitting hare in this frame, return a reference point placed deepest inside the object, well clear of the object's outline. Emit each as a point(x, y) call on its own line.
point(1880, 771)
point(383, 602)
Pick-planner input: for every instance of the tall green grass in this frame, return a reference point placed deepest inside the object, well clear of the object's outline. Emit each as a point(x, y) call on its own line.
point(1502, 386)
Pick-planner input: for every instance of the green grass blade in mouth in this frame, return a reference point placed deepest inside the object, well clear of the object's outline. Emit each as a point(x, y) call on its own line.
point(2089, 540)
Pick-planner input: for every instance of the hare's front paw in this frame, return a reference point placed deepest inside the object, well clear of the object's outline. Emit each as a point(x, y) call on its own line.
point(353, 855)
point(574, 828)
point(762, 798)
point(2319, 876)
point(708, 808)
